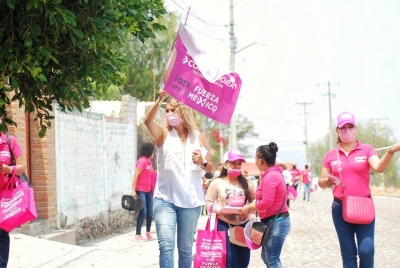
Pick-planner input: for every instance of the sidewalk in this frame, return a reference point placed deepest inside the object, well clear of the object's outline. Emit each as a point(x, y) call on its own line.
point(114, 250)
point(311, 243)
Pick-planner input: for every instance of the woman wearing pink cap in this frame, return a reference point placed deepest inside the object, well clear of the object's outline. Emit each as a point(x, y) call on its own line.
point(351, 161)
point(271, 202)
point(220, 193)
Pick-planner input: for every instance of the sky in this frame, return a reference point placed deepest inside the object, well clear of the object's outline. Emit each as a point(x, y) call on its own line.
point(301, 45)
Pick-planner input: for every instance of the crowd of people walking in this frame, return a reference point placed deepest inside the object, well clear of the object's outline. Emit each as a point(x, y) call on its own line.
point(186, 186)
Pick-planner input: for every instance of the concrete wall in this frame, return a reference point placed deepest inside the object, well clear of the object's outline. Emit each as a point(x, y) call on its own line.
point(95, 160)
point(80, 169)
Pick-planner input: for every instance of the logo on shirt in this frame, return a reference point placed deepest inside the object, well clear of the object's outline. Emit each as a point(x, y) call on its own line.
point(360, 159)
point(334, 162)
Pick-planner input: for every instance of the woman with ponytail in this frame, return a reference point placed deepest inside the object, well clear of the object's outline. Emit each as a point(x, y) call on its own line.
point(271, 198)
point(231, 183)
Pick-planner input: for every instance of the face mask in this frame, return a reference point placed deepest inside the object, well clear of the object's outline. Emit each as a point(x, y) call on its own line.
point(347, 137)
point(173, 119)
point(234, 173)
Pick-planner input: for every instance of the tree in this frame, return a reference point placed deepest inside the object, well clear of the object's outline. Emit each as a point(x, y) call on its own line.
point(367, 132)
point(66, 51)
point(244, 129)
point(147, 63)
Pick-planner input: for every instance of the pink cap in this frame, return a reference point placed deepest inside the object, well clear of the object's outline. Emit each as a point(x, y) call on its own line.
point(247, 229)
point(345, 118)
point(233, 155)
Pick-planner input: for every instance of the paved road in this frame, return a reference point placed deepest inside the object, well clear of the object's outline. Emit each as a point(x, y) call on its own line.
point(312, 241)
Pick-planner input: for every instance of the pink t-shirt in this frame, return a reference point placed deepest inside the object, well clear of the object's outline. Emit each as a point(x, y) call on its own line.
point(295, 175)
point(5, 155)
point(143, 183)
point(306, 175)
point(271, 192)
point(153, 182)
point(355, 169)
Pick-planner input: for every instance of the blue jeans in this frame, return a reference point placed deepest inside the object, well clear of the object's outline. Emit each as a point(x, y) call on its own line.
point(307, 190)
point(4, 248)
point(146, 211)
point(271, 253)
point(348, 247)
point(169, 220)
point(236, 256)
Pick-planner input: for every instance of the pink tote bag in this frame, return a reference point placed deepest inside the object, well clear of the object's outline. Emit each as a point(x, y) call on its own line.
point(210, 246)
point(17, 204)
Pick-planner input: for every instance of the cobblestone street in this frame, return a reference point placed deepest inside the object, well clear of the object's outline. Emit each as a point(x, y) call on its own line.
point(312, 241)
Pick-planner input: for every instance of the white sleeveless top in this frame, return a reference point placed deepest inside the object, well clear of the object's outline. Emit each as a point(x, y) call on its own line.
point(179, 180)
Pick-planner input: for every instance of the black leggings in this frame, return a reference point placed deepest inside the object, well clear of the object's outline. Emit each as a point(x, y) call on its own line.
point(4, 248)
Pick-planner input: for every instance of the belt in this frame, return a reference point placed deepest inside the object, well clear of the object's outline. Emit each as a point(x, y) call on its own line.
point(337, 200)
point(270, 218)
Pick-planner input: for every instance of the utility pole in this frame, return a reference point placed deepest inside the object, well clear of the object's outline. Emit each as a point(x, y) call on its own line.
point(305, 124)
point(233, 52)
point(330, 113)
point(381, 125)
point(232, 140)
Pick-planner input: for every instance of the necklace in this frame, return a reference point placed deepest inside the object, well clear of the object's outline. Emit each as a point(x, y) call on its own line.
point(183, 137)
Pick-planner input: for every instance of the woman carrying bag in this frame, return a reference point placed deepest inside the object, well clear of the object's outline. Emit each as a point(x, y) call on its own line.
point(350, 163)
point(5, 170)
point(178, 194)
point(226, 195)
point(271, 204)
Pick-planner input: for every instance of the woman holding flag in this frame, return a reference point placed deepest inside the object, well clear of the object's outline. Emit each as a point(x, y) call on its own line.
point(178, 194)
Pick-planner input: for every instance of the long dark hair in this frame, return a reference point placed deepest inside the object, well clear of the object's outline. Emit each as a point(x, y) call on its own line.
point(242, 181)
point(268, 153)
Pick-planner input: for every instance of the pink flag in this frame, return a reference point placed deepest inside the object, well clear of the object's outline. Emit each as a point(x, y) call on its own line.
point(187, 84)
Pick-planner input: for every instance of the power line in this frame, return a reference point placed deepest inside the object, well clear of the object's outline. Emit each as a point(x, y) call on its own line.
point(205, 34)
point(191, 13)
point(237, 3)
point(330, 114)
point(203, 21)
point(305, 124)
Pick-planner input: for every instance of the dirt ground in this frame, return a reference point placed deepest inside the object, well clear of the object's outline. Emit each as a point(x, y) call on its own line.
point(384, 191)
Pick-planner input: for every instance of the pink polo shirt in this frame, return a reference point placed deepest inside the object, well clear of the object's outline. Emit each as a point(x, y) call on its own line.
point(5, 155)
point(143, 183)
point(306, 175)
point(271, 192)
point(355, 169)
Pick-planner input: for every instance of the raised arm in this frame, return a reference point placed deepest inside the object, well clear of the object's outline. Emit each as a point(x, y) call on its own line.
point(157, 131)
point(379, 165)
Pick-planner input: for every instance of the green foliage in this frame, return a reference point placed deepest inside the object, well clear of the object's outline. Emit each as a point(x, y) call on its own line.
point(244, 129)
point(380, 135)
point(368, 131)
point(68, 51)
point(147, 61)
